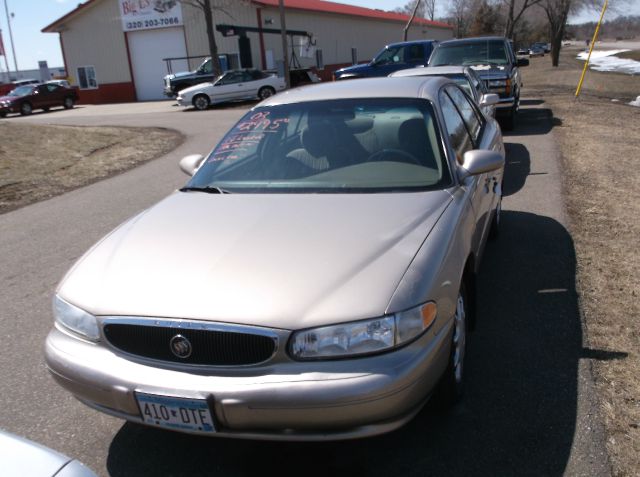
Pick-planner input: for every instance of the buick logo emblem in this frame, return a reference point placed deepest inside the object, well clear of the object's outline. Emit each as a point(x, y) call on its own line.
point(180, 346)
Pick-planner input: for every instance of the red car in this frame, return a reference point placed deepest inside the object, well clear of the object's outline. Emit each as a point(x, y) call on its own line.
point(24, 99)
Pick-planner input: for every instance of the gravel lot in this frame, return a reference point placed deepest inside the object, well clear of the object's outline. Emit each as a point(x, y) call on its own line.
point(599, 136)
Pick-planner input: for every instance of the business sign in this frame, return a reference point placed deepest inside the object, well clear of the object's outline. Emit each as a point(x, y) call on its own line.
point(149, 14)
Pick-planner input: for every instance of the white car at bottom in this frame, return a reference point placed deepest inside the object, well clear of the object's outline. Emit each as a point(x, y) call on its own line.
point(231, 86)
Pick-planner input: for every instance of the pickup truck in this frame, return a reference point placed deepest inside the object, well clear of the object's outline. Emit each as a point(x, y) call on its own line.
point(174, 83)
point(394, 57)
point(496, 64)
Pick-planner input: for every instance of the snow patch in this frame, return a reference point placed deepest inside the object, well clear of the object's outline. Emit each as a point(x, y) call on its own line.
point(605, 60)
point(636, 102)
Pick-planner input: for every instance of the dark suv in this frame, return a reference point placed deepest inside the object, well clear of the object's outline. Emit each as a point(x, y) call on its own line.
point(496, 64)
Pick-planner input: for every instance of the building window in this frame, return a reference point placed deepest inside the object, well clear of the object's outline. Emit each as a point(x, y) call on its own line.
point(87, 77)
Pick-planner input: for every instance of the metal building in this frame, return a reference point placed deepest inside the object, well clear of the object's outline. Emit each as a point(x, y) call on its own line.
point(115, 50)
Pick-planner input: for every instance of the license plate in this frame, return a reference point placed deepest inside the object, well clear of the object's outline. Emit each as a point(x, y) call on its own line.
point(176, 413)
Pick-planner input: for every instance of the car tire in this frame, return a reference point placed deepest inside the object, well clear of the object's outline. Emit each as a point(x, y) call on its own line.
point(26, 109)
point(3, 115)
point(266, 92)
point(68, 102)
point(201, 102)
point(451, 385)
point(494, 231)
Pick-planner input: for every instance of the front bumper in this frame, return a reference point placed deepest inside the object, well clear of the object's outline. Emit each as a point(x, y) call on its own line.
point(184, 102)
point(279, 400)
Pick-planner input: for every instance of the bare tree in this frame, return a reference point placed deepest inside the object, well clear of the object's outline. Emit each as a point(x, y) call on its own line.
point(208, 7)
point(426, 9)
point(461, 13)
point(557, 14)
point(413, 15)
point(514, 10)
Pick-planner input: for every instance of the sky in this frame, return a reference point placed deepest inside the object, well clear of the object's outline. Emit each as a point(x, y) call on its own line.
point(30, 16)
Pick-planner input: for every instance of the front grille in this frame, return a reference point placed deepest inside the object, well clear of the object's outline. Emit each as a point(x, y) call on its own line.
point(208, 347)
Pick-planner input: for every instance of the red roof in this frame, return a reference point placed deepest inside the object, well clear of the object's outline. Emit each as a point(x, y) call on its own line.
point(342, 9)
point(309, 5)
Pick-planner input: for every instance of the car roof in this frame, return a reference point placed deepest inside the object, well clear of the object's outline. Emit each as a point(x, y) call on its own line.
point(477, 39)
point(413, 42)
point(430, 71)
point(408, 87)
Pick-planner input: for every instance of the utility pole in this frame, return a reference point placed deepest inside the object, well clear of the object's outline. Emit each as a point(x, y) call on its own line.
point(13, 49)
point(4, 53)
point(285, 53)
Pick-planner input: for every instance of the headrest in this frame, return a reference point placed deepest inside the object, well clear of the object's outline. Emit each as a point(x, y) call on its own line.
point(318, 137)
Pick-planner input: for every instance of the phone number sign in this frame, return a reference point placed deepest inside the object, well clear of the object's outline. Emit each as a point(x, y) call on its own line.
point(149, 14)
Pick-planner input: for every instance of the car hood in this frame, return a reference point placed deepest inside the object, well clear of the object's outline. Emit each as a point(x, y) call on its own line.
point(8, 98)
point(195, 88)
point(355, 69)
point(181, 74)
point(276, 260)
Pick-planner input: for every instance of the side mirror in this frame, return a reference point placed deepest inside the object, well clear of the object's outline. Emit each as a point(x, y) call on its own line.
point(522, 62)
point(480, 161)
point(190, 164)
point(489, 99)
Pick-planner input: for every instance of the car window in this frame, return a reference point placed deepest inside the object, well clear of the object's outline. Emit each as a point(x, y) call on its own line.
point(340, 146)
point(489, 52)
point(458, 133)
point(248, 76)
point(206, 67)
point(471, 119)
point(52, 88)
point(463, 82)
point(413, 53)
point(232, 77)
point(42, 89)
point(21, 91)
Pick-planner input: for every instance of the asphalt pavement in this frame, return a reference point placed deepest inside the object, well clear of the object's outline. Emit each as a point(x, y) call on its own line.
point(529, 408)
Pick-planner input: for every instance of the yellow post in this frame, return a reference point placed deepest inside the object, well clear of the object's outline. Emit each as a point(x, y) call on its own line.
point(593, 42)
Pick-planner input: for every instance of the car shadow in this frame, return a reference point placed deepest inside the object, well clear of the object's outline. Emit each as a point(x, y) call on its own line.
point(532, 121)
point(518, 416)
point(517, 168)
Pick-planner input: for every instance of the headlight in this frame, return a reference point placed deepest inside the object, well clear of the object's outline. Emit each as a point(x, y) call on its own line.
point(75, 319)
point(363, 337)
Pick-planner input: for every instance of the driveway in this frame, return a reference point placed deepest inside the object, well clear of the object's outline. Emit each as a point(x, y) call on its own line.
point(529, 408)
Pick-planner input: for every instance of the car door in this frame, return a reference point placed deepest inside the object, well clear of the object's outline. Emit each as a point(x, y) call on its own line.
point(467, 131)
point(40, 97)
point(229, 86)
point(56, 94)
point(251, 81)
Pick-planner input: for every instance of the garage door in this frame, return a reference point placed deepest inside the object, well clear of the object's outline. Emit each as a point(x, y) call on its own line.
point(147, 49)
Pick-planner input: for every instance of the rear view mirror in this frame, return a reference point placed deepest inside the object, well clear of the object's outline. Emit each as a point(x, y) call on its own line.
point(489, 99)
point(191, 163)
point(480, 161)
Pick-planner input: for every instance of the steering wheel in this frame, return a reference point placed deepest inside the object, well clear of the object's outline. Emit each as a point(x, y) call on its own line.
point(379, 155)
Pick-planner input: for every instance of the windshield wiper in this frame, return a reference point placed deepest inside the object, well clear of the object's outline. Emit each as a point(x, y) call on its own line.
point(207, 189)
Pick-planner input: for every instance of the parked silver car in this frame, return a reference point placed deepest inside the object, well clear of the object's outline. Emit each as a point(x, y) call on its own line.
point(24, 458)
point(464, 76)
point(313, 280)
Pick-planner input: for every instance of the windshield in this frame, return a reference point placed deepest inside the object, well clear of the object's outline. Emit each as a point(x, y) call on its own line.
point(21, 91)
point(353, 145)
point(488, 52)
point(397, 54)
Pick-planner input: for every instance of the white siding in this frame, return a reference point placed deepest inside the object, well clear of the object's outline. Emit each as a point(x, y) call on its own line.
point(334, 34)
point(337, 34)
point(196, 31)
point(95, 38)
